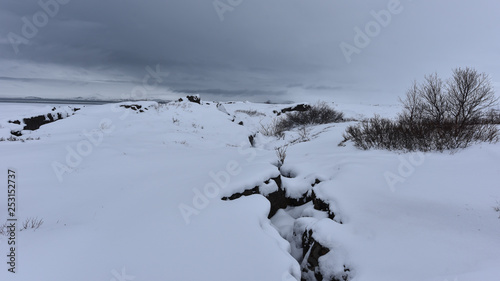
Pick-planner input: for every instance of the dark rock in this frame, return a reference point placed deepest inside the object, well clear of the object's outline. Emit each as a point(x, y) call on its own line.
point(317, 181)
point(321, 205)
point(34, 123)
point(251, 139)
point(247, 192)
point(277, 198)
point(312, 251)
point(240, 123)
point(299, 107)
point(304, 199)
point(16, 133)
point(132, 106)
point(15, 122)
point(195, 99)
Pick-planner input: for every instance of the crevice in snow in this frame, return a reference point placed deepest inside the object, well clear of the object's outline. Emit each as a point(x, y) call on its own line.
point(293, 217)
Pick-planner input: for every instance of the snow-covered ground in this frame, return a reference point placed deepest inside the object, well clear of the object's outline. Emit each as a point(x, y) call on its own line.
point(131, 195)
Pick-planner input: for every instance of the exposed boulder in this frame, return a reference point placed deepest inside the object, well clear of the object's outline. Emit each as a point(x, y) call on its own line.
point(298, 107)
point(35, 122)
point(194, 98)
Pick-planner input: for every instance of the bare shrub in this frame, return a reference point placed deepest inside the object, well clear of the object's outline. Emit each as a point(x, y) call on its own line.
point(470, 95)
point(31, 223)
point(270, 129)
point(435, 116)
point(281, 154)
point(304, 134)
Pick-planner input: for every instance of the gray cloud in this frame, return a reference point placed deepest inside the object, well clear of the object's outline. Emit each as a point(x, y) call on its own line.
point(260, 48)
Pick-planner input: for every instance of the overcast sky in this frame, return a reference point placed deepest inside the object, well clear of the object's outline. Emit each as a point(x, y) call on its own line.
point(258, 50)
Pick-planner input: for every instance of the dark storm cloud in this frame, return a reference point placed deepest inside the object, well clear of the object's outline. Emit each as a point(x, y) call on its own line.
point(259, 48)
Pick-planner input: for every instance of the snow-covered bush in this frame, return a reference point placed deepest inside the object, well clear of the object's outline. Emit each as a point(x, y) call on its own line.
point(435, 116)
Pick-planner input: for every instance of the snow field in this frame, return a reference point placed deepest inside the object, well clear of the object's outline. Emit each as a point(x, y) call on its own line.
point(137, 194)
